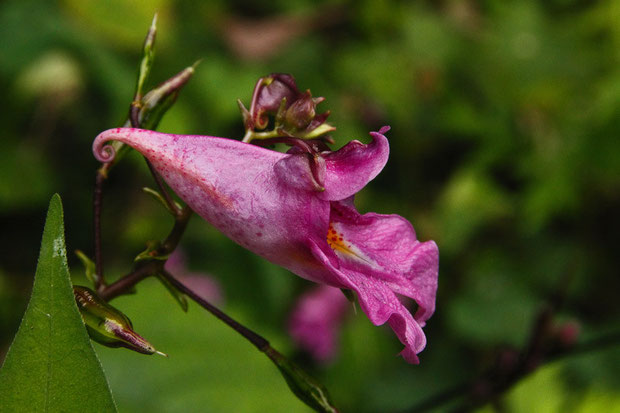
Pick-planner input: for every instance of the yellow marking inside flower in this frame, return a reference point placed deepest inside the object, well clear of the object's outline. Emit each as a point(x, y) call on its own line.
point(336, 240)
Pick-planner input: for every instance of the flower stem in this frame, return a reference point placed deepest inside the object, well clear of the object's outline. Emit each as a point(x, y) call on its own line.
point(250, 135)
point(156, 266)
point(125, 284)
point(97, 206)
point(145, 269)
point(306, 388)
point(257, 340)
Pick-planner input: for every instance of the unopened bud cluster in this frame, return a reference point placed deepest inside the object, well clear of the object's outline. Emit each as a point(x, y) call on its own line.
point(279, 109)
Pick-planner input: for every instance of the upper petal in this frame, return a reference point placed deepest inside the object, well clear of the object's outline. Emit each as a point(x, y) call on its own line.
point(351, 167)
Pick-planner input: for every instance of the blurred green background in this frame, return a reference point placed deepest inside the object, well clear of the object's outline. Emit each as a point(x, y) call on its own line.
point(505, 150)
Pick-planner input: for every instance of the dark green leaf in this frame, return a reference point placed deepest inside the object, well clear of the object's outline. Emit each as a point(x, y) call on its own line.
point(51, 365)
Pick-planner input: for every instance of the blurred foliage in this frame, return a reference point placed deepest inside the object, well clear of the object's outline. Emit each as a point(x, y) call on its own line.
point(505, 119)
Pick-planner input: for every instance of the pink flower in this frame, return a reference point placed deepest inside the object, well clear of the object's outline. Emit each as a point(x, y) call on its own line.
point(315, 320)
point(296, 210)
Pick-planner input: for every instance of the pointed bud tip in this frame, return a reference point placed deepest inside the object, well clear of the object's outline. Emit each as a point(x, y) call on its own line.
point(150, 36)
point(196, 63)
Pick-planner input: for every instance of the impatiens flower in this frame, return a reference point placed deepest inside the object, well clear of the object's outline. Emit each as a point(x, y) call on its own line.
point(316, 319)
point(296, 210)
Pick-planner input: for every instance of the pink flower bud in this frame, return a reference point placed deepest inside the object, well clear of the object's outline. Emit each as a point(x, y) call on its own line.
point(268, 94)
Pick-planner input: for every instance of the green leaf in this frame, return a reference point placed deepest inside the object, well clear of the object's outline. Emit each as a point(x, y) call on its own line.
point(51, 366)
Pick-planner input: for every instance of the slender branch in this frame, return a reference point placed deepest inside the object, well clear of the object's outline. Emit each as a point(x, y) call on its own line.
point(125, 284)
point(173, 239)
point(495, 381)
point(145, 269)
point(134, 112)
point(97, 208)
point(156, 266)
point(257, 340)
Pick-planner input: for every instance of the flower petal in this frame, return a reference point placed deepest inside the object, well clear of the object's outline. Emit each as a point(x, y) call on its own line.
point(385, 246)
point(351, 167)
point(380, 304)
point(296, 170)
point(423, 280)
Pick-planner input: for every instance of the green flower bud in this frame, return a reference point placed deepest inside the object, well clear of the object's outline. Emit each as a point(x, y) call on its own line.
point(156, 102)
point(107, 325)
point(306, 388)
point(148, 55)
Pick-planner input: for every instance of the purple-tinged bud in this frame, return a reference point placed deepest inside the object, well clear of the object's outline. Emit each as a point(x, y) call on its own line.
point(293, 114)
point(268, 95)
point(301, 112)
point(319, 120)
point(107, 325)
